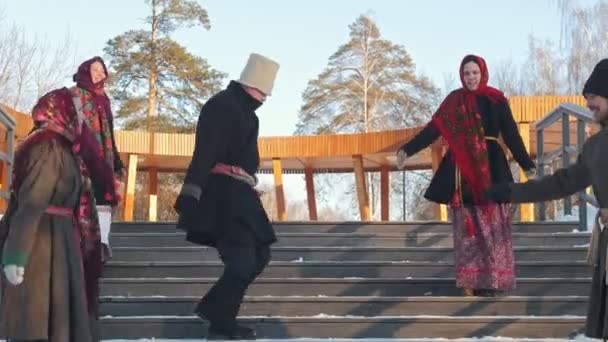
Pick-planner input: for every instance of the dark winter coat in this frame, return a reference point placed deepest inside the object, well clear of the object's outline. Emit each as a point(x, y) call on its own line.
point(227, 132)
point(497, 121)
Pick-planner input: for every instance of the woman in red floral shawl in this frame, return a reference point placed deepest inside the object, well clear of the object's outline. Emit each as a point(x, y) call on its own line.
point(89, 93)
point(470, 120)
point(50, 239)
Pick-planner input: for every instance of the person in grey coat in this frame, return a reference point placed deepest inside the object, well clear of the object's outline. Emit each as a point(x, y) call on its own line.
point(589, 170)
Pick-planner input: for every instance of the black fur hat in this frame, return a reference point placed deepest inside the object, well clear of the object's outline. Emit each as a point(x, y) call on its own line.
point(597, 83)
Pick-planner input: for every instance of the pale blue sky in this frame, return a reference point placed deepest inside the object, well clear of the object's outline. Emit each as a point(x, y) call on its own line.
point(301, 35)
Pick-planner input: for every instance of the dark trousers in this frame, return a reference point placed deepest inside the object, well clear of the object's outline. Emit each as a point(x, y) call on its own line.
point(244, 260)
point(596, 325)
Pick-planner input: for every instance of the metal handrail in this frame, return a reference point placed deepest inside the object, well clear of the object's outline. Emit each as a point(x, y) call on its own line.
point(564, 112)
point(569, 109)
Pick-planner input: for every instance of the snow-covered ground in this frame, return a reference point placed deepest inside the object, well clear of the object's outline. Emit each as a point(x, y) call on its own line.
point(580, 338)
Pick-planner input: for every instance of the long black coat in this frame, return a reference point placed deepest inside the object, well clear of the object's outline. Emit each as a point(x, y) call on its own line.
point(497, 120)
point(227, 132)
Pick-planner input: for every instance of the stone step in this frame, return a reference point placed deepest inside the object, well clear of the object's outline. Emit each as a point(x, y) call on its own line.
point(336, 287)
point(357, 306)
point(354, 227)
point(352, 327)
point(311, 269)
point(196, 253)
point(354, 240)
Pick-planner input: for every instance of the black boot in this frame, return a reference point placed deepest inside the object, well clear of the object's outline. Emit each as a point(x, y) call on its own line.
point(485, 293)
point(219, 331)
point(237, 333)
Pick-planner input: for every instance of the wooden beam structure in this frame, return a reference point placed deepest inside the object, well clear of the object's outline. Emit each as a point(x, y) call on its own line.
point(310, 194)
point(279, 191)
point(436, 156)
point(384, 192)
point(152, 194)
point(362, 195)
point(129, 198)
point(527, 209)
point(338, 153)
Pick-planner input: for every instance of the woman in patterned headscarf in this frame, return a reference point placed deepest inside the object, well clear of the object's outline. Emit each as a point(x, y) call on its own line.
point(89, 93)
point(470, 120)
point(49, 237)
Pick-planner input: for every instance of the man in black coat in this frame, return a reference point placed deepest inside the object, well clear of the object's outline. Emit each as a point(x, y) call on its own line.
point(218, 205)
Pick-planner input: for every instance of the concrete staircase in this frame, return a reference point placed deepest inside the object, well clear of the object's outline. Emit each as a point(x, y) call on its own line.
point(347, 280)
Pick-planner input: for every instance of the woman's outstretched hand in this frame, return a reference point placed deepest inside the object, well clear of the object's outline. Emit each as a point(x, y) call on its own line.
point(401, 158)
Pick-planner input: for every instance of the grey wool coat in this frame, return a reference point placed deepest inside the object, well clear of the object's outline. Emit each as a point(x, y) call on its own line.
point(50, 304)
point(589, 170)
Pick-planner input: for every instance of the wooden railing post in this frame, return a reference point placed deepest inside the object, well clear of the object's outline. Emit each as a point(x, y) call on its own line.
point(129, 206)
point(362, 195)
point(277, 170)
point(526, 210)
point(153, 194)
point(436, 154)
point(310, 194)
point(384, 192)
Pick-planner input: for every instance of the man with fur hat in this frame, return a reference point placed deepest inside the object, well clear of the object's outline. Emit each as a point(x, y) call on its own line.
point(218, 205)
point(589, 170)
